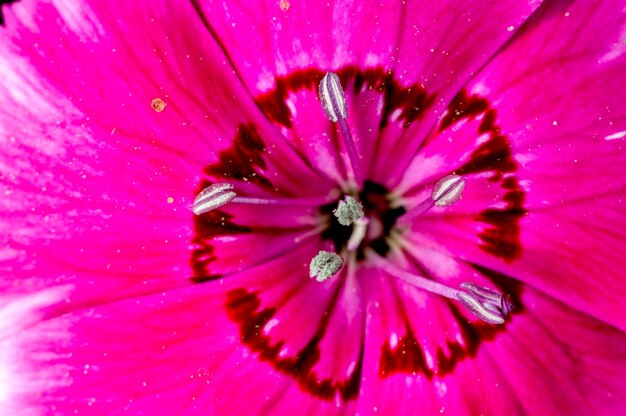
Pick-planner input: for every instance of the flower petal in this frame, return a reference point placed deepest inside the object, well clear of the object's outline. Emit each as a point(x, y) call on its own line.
point(281, 69)
point(269, 331)
point(559, 113)
point(96, 184)
point(574, 127)
point(550, 359)
point(559, 361)
point(360, 34)
point(422, 45)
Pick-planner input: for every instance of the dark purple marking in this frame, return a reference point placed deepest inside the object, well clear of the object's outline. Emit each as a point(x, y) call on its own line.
point(502, 237)
point(207, 226)
point(463, 106)
point(408, 356)
point(244, 308)
point(412, 101)
point(243, 159)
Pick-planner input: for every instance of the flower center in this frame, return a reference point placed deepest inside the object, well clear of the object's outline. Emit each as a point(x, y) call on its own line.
point(375, 199)
point(488, 305)
point(229, 210)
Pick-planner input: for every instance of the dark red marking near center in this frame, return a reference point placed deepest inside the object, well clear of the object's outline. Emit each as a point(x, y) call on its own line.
point(243, 159)
point(502, 236)
point(412, 101)
point(244, 308)
point(408, 356)
point(208, 226)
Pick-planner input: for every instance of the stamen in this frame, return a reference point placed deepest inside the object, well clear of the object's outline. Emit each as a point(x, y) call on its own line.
point(495, 306)
point(325, 265)
point(448, 190)
point(478, 309)
point(486, 304)
point(348, 211)
point(333, 99)
point(220, 194)
point(418, 281)
point(445, 193)
point(212, 197)
point(313, 232)
point(358, 233)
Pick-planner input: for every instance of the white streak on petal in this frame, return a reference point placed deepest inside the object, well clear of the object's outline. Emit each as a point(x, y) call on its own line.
point(265, 80)
point(615, 136)
point(393, 340)
point(79, 18)
point(269, 325)
point(441, 388)
point(26, 367)
point(617, 49)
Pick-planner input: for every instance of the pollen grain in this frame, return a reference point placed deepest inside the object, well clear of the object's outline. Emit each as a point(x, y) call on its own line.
point(158, 105)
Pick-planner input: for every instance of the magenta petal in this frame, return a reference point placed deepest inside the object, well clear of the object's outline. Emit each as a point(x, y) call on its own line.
point(558, 106)
point(399, 377)
point(549, 360)
point(579, 264)
point(21, 337)
point(559, 111)
point(183, 350)
point(441, 51)
point(574, 127)
point(421, 44)
point(96, 184)
point(270, 40)
point(558, 361)
point(115, 298)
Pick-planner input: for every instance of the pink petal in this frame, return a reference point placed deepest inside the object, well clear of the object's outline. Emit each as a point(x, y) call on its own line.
point(402, 377)
point(423, 45)
point(97, 186)
point(549, 360)
point(561, 119)
point(19, 381)
point(355, 34)
point(216, 347)
point(580, 265)
point(183, 350)
point(559, 361)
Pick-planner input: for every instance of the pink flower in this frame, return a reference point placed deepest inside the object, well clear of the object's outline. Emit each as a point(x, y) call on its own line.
point(117, 299)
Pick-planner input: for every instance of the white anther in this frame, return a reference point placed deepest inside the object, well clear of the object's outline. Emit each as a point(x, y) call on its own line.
point(448, 190)
point(478, 309)
point(348, 211)
point(325, 265)
point(487, 304)
point(333, 98)
point(212, 197)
